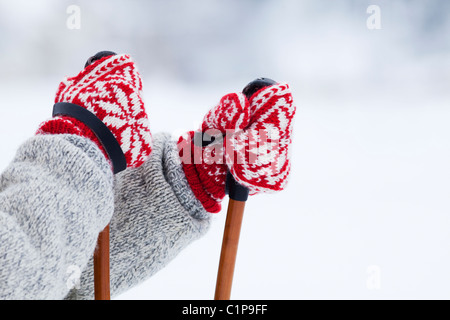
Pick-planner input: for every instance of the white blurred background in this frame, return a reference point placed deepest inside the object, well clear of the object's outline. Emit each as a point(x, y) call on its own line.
point(367, 211)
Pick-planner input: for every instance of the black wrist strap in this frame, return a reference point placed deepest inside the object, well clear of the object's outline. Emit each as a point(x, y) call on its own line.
point(102, 132)
point(234, 190)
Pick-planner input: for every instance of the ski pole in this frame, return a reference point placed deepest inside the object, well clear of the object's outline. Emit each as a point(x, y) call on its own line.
point(238, 195)
point(101, 254)
point(230, 242)
point(101, 266)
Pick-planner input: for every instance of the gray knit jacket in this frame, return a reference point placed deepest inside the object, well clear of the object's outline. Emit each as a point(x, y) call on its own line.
point(57, 195)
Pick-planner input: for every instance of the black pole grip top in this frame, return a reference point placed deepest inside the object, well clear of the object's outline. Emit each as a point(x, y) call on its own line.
point(97, 126)
point(234, 190)
point(98, 56)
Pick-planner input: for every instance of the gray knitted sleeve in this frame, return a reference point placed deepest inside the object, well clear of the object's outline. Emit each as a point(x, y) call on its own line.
point(156, 215)
point(55, 197)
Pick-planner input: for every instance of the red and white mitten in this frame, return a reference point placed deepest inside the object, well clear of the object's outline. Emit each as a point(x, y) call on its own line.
point(259, 156)
point(251, 140)
point(111, 89)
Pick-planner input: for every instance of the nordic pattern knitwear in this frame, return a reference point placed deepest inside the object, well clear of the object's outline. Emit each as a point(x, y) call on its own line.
point(231, 113)
point(259, 156)
point(256, 148)
point(110, 88)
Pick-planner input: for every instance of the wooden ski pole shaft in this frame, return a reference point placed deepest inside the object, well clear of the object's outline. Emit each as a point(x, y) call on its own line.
point(101, 267)
point(101, 254)
point(235, 214)
point(238, 196)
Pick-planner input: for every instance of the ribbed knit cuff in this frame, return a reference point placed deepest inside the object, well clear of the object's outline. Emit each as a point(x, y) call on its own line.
point(207, 180)
point(69, 125)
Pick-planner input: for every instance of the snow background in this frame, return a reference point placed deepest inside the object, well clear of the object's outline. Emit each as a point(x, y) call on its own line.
point(370, 178)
